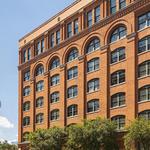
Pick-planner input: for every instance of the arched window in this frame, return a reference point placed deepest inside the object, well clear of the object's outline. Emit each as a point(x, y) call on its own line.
point(93, 85)
point(145, 114)
point(40, 118)
point(39, 102)
point(55, 114)
point(120, 121)
point(26, 106)
point(54, 97)
point(118, 55)
point(93, 45)
point(93, 64)
point(25, 136)
point(144, 69)
point(118, 77)
point(72, 55)
point(55, 80)
point(40, 86)
point(118, 100)
point(118, 33)
point(26, 121)
point(144, 93)
point(72, 110)
point(26, 91)
point(39, 70)
point(72, 73)
point(55, 63)
point(72, 92)
point(144, 44)
point(93, 105)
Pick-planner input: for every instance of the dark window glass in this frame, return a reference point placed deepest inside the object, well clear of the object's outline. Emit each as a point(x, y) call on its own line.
point(97, 14)
point(93, 85)
point(27, 76)
point(144, 21)
point(72, 110)
point(52, 41)
point(120, 121)
point(26, 106)
point(89, 19)
point(40, 47)
point(54, 97)
point(72, 92)
point(144, 44)
point(40, 86)
point(144, 93)
point(55, 114)
point(40, 102)
point(93, 45)
point(40, 118)
point(39, 70)
point(29, 53)
point(58, 37)
point(118, 55)
point(145, 114)
point(113, 7)
point(118, 100)
point(76, 26)
point(55, 63)
point(24, 56)
point(55, 80)
point(69, 30)
point(26, 91)
point(93, 105)
point(144, 69)
point(26, 121)
point(72, 55)
point(118, 34)
point(118, 77)
point(93, 65)
point(122, 4)
point(72, 73)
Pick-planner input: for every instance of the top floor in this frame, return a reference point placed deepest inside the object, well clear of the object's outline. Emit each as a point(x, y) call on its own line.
point(73, 20)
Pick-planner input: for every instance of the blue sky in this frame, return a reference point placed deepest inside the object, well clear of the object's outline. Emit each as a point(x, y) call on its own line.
point(17, 17)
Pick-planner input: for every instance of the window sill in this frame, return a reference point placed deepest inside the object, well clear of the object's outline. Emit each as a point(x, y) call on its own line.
point(72, 60)
point(93, 112)
point(143, 29)
point(25, 111)
point(72, 78)
point(55, 85)
point(118, 40)
point(144, 101)
point(92, 51)
point(118, 62)
point(40, 107)
point(27, 126)
point(93, 92)
point(72, 98)
point(92, 71)
point(26, 96)
point(117, 84)
point(54, 68)
point(144, 52)
point(39, 91)
point(117, 107)
point(71, 117)
point(143, 77)
point(39, 123)
point(54, 120)
point(53, 103)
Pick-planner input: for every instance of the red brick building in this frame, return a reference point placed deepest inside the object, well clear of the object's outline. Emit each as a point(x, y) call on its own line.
point(91, 59)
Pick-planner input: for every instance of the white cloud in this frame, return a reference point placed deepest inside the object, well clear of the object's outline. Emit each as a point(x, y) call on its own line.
point(5, 123)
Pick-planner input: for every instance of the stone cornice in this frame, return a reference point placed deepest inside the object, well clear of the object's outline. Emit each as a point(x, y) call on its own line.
point(133, 6)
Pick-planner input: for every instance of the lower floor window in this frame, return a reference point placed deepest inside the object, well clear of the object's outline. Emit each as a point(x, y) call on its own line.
point(72, 110)
point(120, 121)
point(40, 118)
point(93, 105)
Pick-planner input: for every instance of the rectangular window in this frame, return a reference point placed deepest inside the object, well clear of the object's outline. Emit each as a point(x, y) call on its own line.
point(72, 73)
point(24, 55)
point(55, 80)
point(38, 48)
point(89, 19)
point(76, 26)
point(122, 4)
point(52, 42)
point(97, 14)
point(58, 37)
point(69, 30)
point(42, 45)
point(40, 86)
point(27, 76)
point(113, 7)
point(29, 53)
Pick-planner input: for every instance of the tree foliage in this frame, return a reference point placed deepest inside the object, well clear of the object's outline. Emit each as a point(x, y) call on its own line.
point(6, 146)
point(138, 132)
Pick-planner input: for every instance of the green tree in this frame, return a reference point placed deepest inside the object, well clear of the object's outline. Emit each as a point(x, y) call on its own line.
point(93, 134)
point(6, 146)
point(138, 132)
point(47, 139)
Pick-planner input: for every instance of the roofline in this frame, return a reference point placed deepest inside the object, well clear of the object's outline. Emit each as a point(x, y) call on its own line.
point(49, 20)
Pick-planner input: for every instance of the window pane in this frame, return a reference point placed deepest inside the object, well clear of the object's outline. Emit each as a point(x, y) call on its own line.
point(97, 14)
point(76, 26)
point(89, 19)
point(69, 30)
point(112, 6)
point(58, 37)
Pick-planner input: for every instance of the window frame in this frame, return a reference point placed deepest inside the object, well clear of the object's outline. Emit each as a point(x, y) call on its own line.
point(72, 92)
point(94, 104)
